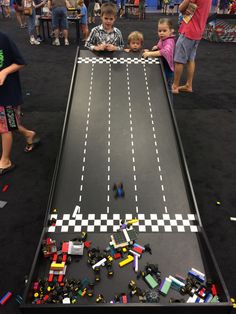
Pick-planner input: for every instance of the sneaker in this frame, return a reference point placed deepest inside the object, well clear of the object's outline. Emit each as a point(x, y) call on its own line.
point(33, 41)
point(36, 42)
point(56, 42)
point(66, 42)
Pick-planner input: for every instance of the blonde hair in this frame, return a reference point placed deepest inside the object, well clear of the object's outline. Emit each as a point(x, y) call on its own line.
point(135, 36)
point(108, 8)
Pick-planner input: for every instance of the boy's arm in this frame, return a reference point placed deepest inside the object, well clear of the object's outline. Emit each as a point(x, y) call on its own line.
point(8, 70)
point(91, 41)
point(120, 42)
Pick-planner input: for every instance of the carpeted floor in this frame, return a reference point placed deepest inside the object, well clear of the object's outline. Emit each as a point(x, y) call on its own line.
point(206, 120)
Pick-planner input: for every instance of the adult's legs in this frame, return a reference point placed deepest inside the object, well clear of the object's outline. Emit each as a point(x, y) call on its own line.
point(7, 140)
point(18, 17)
point(65, 32)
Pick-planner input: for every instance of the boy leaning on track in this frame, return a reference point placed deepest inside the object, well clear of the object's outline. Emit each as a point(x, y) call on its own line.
point(106, 37)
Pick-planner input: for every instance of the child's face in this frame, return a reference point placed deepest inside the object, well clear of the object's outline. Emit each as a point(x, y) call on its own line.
point(108, 21)
point(135, 44)
point(164, 31)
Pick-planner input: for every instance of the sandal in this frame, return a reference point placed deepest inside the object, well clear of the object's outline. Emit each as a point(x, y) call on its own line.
point(31, 146)
point(6, 170)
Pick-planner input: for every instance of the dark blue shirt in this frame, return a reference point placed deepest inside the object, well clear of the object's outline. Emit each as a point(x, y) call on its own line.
point(10, 91)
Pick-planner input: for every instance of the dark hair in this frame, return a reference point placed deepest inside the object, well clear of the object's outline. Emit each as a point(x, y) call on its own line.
point(166, 21)
point(108, 8)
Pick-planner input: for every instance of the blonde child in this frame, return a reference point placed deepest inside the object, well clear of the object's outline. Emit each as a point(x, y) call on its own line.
point(82, 9)
point(165, 48)
point(135, 42)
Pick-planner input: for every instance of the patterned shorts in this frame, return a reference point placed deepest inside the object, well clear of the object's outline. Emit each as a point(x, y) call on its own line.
point(9, 118)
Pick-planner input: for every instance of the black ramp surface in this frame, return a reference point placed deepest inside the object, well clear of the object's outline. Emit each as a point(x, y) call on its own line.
point(120, 130)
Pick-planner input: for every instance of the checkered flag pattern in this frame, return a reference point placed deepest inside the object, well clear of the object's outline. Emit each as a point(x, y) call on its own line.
point(228, 31)
point(118, 60)
point(110, 223)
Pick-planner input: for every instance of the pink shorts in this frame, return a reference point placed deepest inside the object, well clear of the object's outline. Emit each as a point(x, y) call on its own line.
point(9, 118)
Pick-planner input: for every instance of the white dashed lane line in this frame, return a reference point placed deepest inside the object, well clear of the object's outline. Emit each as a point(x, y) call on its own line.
point(108, 140)
point(77, 207)
point(155, 139)
point(131, 140)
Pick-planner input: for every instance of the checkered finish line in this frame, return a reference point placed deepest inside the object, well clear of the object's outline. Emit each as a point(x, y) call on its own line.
point(118, 60)
point(110, 223)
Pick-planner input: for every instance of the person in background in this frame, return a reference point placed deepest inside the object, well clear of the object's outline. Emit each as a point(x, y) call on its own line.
point(191, 32)
point(106, 37)
point(83, 18)
point(31, 19)
point(223, 6)
point(39, 4)
point(141, 9)
point(97, 8)
point(232, 7)
point(11, 100)
point(59, 19)
point(214, 5)
point(165, 49)
point(18, 6)
point(122, 8)
point(91, 18)
point(171, 7)
point(6, 7)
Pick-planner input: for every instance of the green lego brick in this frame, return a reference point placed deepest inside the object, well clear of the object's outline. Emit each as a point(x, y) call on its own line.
point(215, 299)
point(151, 281)
point(166, 286)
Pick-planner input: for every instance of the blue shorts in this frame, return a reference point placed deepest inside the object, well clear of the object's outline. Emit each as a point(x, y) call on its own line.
point(185, 49)
point(59, 18)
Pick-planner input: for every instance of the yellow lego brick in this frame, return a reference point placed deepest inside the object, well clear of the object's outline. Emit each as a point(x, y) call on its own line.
point(133, 221)
point(110, 258)
point(126, 261)
point(57, 266)
point(124, 249)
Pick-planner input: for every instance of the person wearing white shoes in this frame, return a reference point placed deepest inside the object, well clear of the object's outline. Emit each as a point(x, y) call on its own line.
point(30, 6)
point(59, 19)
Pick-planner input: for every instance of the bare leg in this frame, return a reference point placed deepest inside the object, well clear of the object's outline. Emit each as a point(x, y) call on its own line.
point(188, 87)
point(7, 140)
point(56, 33)
point(65, 32)
point(177, 76)
point(18, 17)
point(28, 134)
point(23, 19)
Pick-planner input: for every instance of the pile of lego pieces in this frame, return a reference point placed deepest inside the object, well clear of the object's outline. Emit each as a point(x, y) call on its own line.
point(124, 250)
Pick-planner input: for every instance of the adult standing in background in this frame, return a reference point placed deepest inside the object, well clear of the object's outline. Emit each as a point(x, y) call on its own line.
point(91, 18)
point(214, 5)
point(59, 19)
point(224, 4)
point(195, 14)
point(18, 6)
